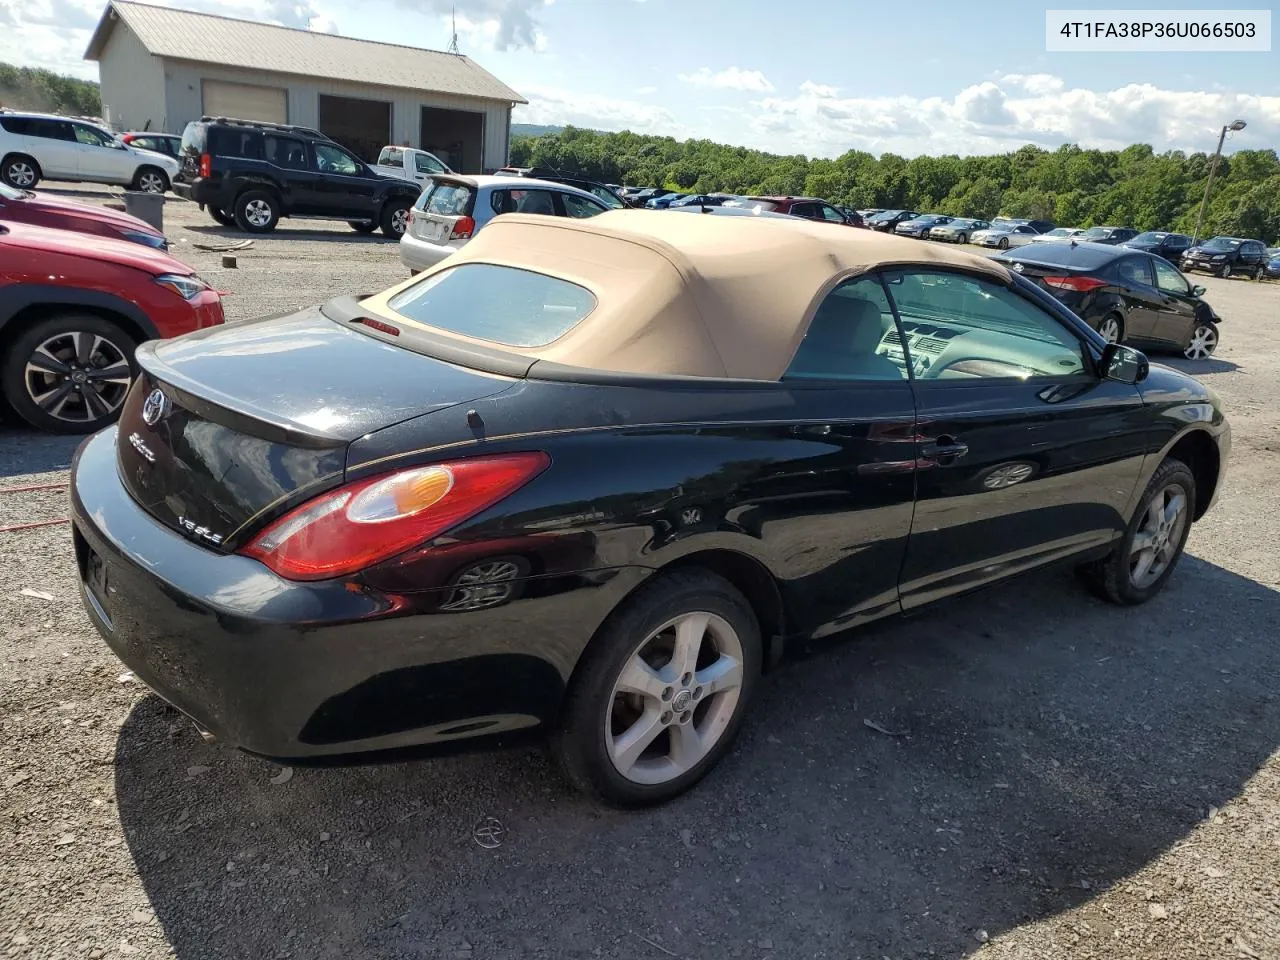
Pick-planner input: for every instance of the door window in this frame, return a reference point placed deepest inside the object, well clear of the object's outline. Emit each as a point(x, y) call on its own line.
point(285, 152)
point(331, 159)
point(850, 337)
point(91, 137)
point(607, 197)
point(830, 213)
point(580, 207)
point(523, 201)
point(1170, 280)
point(806, 210)
point(960, 327)
point(1135, 270)
point(426, 163)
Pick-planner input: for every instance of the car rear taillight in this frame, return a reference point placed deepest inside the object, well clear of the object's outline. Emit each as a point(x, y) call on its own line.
point(1078, 284)
point(463, 228)
point(371, 520)
point(206, 165)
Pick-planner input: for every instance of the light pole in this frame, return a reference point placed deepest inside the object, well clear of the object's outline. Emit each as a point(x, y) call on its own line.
point(1217, 155)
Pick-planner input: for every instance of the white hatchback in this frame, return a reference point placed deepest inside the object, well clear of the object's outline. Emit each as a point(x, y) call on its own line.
point(35, 147)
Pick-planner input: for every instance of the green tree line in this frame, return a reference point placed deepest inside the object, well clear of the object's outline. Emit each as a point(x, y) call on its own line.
point(1070, 185)
point(29, 88)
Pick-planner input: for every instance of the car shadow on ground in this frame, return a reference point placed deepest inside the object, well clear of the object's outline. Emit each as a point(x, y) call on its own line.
point(1032, 746)
point(29, 451)
point(287, 232)
point(1196, 368)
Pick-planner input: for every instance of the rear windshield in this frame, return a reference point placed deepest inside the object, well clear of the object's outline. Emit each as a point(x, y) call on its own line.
point(391, 157)
point(446, 198)
point(504, 305)
point(193, 138)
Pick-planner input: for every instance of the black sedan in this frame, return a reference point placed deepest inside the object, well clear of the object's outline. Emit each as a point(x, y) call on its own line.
point(1126, 295)
point(887, 220)
point(590, 478)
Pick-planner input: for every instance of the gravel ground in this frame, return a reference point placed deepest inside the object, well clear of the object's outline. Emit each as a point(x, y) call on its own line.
point(1073, 780)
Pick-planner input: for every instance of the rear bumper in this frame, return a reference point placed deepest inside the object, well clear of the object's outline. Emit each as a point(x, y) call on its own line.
point(420, 254)
point(207, 193)
point(312, 670)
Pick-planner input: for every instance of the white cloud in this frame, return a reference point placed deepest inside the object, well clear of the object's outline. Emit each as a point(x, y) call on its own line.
point(993, 117)
point(731, 78)
point(645, 91)
point(551, 105)
point(492, 24)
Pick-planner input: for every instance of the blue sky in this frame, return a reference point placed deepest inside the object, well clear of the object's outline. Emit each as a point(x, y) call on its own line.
point(809, 76)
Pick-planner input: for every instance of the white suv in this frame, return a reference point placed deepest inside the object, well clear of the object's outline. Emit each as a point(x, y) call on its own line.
point(35, 147)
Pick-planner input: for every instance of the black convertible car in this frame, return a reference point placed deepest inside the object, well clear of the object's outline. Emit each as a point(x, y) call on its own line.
point(588, 478)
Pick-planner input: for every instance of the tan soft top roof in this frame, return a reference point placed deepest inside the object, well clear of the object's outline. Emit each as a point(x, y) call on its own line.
point(698, 296)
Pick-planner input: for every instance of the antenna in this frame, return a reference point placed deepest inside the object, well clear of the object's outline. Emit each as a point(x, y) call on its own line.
point(453, 42)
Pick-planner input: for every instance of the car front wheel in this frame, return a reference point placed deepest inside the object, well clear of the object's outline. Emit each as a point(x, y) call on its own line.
point(662, 691)
point(1004, 243)
point(1225, 272)
point(963, 238)
point(395, 219)
point(68, 373)
point(1204, 340)
point(1141, 565)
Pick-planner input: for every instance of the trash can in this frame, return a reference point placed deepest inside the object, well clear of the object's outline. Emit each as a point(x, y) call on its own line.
point(147, 207)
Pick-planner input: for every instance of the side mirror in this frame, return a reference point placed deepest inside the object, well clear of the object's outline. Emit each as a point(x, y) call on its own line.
point(1197, 291)
point(1124, 364)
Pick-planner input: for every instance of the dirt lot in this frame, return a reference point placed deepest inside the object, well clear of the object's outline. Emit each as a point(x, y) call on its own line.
point(1075, 780)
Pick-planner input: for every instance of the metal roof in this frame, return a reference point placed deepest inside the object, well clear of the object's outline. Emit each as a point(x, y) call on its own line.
point(207, 38)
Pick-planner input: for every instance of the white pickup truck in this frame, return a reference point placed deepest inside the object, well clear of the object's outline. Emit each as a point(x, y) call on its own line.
point(408, 163)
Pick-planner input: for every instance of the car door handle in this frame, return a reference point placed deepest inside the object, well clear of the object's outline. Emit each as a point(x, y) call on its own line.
point(944, 448)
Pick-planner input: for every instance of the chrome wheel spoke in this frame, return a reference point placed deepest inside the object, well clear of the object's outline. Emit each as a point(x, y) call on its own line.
point(627, 748)
point(1143, 567)
point(688, 746)
point(94, 405)
point(54, 400)
point(690, 632)
point(116, 373)
point(1174, 507)
point(46, 362)
point(724, 674)
point(86, 343)
point(640, 678)
point(1143, 540)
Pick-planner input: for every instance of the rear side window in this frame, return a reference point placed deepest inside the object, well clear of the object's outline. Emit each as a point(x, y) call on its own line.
point(445, 198)
point(285, 152)
point(504, 305)
point(231, 142)
point(1135, 270)
point(18, 125)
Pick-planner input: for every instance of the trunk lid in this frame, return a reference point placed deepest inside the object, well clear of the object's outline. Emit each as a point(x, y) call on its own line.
point(227, 428)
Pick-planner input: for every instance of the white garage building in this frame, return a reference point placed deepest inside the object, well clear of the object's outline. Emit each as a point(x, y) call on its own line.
point(161, 68)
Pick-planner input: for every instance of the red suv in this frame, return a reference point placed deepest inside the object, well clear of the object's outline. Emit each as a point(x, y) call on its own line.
point(72, 310)
point(43, 210)
point(810, 208)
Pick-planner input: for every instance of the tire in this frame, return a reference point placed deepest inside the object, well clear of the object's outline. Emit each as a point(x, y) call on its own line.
point(1257, 274)
point(962, 238)
point(1112, 320)
point(20, 171)
point(1203, 343)
point(395, 218)
point(597, 715)
point(1225, 272)
point(361, 226)
point(1112, 578)
point(151, 180)
point(257, 211)
point(222, 217)
point(49, 399)
point(1004, 243)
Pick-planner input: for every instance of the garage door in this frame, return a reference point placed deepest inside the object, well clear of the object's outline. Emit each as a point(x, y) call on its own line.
point(244, 101)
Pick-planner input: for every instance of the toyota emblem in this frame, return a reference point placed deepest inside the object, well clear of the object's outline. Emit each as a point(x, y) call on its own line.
point(154, 407)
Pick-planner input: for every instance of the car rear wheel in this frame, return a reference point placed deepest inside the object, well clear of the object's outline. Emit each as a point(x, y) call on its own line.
point(962, 238)
point(257, 211)
point(1112, 328)
point(1225, 272)
point(222, 217)
point(661, 691)
point(150, 180)
point(68, 373)
point(395, 218)
point(1004, 243)
point(1141, 565)
point(1204, 341)
point(19, 171)
point(362, 226)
